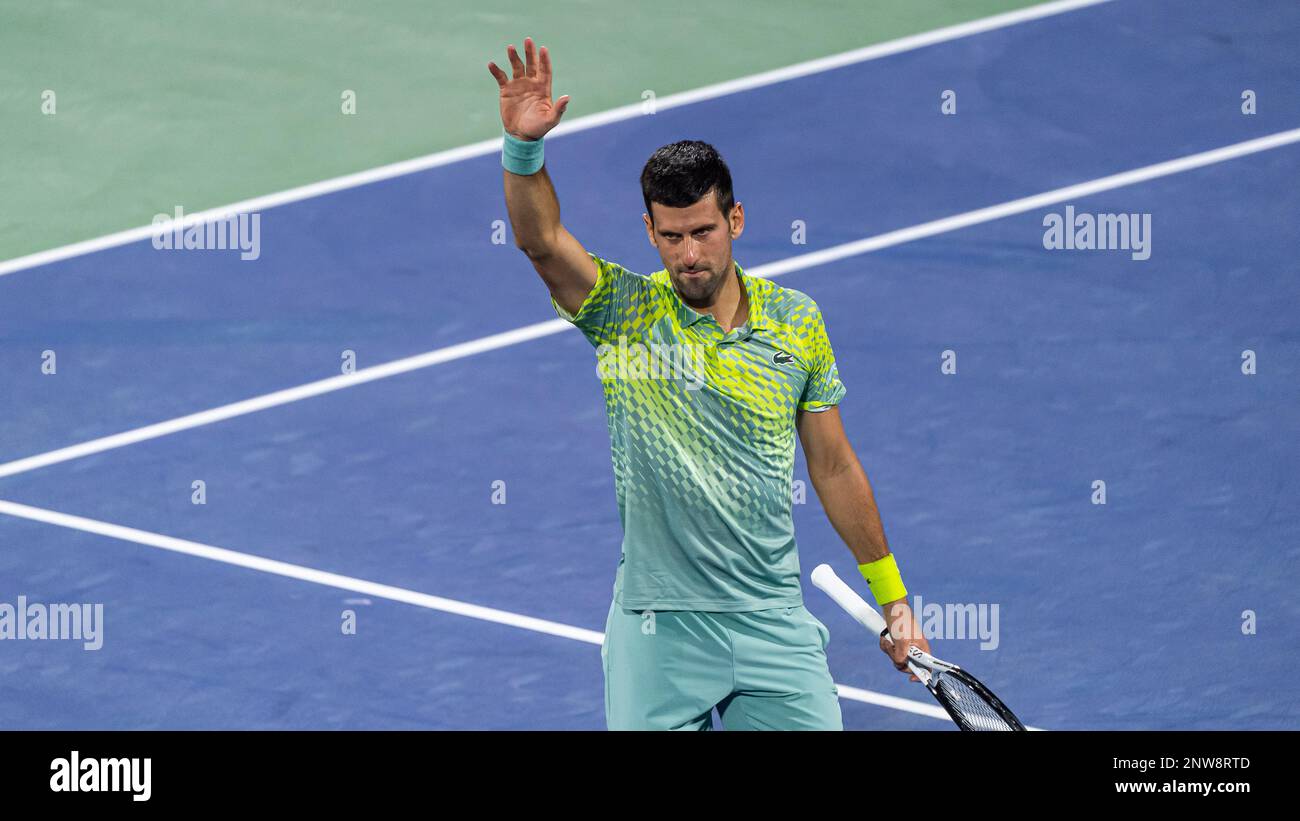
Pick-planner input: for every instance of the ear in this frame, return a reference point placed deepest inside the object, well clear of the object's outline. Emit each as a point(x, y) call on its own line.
point(649, 229)
point(737, 220)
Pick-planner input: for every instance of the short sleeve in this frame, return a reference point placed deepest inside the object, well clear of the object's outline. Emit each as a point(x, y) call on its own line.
point(823, 388)
point(602, 316)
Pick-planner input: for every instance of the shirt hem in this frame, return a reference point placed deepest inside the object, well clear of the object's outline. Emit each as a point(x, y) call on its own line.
point(711, 606)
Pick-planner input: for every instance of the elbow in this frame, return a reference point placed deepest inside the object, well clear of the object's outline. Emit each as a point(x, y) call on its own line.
point(534, 248)
point(828, 469)
point(533, 252)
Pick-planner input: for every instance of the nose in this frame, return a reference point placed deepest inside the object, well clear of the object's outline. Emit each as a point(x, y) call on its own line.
point(691, 254)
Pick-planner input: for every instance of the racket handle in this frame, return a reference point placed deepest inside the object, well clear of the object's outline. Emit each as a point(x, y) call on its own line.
point(846, 597)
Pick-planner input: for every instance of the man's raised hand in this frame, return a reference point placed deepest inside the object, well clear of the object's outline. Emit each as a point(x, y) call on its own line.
point(527, 111)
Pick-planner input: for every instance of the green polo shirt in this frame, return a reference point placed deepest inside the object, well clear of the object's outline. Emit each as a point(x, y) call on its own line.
point(702, 435)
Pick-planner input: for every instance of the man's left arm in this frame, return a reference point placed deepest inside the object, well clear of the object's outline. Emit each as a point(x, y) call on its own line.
point(846, 495)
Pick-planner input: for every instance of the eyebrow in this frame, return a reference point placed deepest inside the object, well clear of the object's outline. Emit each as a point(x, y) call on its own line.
point(691, 231)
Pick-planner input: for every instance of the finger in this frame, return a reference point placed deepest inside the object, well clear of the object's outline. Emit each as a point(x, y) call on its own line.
point(561, 105)
point(544, 68)
point(500, 75)
point(516, 65)
point(530, 56)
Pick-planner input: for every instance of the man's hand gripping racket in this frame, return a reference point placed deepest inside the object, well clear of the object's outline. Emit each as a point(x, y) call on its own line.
point(969, 702)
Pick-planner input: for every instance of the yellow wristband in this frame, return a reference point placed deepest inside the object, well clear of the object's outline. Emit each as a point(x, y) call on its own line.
point(883, 579)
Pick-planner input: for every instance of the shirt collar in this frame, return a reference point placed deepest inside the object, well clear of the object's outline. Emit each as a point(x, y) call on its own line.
point(689, 316)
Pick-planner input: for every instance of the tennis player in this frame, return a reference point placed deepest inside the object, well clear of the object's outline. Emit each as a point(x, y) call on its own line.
point(708, 373)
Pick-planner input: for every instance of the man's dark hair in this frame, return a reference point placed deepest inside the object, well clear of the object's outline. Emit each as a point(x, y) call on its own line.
point(677, 175)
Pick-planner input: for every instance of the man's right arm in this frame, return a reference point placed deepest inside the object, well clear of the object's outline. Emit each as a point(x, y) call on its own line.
point(560, 260)
point(528, 113)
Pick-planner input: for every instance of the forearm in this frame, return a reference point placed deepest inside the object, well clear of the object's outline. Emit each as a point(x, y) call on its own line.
point(850, 505)
point(534, 211)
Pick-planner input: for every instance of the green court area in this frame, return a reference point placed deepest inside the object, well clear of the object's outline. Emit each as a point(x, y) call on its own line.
point(111, 113)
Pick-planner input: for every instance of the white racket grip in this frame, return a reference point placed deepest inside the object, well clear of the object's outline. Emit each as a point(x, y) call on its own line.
point(824, 577)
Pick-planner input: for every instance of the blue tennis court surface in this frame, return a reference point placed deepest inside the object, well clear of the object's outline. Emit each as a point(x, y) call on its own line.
point(1073, 367)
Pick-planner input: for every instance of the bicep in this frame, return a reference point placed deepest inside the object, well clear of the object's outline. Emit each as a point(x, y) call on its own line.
point(825, 444)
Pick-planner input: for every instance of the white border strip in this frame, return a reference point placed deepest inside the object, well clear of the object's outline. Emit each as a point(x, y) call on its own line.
point(382, 591)
point(627, 112)
point(554, 326)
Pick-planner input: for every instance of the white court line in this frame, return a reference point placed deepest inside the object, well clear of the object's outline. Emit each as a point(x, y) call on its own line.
point(554, 326)
point(493, 145)
point(382, 591)
point(906, 705)
point(284, 397)
point(296, 571)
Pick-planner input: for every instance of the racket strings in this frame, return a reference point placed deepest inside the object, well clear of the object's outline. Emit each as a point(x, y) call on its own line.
point(967, 702)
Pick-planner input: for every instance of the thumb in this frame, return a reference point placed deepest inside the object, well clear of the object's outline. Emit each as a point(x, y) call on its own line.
point(560, 106)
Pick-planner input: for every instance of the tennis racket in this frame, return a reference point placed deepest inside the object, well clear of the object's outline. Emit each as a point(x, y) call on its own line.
point(972, 705)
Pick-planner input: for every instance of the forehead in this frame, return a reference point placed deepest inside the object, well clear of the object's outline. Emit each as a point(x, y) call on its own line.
point(702, 212)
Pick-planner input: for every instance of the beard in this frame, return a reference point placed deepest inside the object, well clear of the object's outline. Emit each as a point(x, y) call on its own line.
point(698, 291)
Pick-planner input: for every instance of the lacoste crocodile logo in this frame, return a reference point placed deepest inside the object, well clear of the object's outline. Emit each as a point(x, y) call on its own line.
point(781, 357)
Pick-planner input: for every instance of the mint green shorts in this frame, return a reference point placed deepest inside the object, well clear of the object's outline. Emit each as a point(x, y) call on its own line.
point(762, 670)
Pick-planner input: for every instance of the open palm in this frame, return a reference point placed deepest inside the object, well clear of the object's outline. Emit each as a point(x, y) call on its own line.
point(527, 111)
